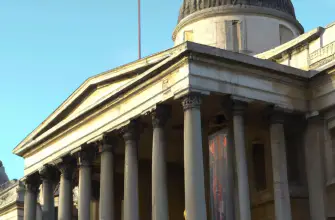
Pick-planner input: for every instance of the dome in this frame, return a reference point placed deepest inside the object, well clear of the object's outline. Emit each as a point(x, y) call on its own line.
point(191, 6)
point(3, 175)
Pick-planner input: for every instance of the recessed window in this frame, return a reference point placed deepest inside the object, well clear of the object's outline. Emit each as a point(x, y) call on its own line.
point(258, 159)
point(285, 34)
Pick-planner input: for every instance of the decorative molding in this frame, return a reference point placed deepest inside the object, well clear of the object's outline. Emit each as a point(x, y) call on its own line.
point(235, 9)
point(239, 107)
point(108, 143)
point(48, 173)
point(160, 115)
point(66, 166)
point(33, 183)
point(86, 156)
point(130, 131)
point(190, 101)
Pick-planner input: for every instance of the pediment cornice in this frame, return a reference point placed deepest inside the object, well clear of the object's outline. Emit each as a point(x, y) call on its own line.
point(131, 69)
point(141, 71)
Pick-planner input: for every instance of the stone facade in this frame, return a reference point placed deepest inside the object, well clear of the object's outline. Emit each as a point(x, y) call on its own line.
point(134, 142)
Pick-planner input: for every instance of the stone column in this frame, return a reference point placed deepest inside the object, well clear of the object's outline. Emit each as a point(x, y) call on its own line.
point(241, 159)
point(106, 206)
point(65, 202)
point(85, 159)
point(30, 199)
point(314, 142)
point(131, 205)
point(279, 167)
point(160, 210)
point(195, 201)
point(48, 176)
point(230, 173)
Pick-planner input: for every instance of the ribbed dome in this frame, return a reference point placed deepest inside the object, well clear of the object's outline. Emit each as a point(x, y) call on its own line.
point(192, 6)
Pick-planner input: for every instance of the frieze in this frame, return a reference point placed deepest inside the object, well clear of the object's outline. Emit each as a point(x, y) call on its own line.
point(8, 198)
point(322, 56)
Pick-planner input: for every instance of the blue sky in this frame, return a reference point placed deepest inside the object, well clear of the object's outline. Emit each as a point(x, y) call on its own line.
point(48, 48)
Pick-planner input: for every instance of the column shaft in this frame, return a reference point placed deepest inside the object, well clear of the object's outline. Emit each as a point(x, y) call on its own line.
point(279, 166)
point(65, 203)
point(241, 163)
point(48, 199)
point(159, 184)
point(131, 203)
point(30, 203)
point(193, 160)
point(106, 206)
point(85, 159)
point(230, 174)
point(84, 193)
point(314, 142)
point(48, 176)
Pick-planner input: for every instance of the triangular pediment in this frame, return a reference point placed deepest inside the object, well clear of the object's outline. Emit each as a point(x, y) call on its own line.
point(95, 89)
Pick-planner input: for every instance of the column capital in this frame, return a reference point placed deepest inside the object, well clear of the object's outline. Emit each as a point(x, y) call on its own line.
point(192, 100)
point(130, 131)
point(86, 156)
point(238, 106)
point(276, 115)
point(66, 166)
point(32, 183)
point(107, 143)
point(160, 115)
point(48, 173)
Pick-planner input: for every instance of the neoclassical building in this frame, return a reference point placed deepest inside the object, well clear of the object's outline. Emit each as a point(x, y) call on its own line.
point(235, 122)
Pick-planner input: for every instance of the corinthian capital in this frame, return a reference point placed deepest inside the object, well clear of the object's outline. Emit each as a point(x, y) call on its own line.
point(66, 166)
point(86, 156)
point(131, 131)
point(48, 173)
point(33, 183)
point(191, 101)
point(160, 115)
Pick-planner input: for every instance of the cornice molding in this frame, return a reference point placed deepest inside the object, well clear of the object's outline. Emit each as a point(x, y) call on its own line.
point(235, 9)
point(93, 82)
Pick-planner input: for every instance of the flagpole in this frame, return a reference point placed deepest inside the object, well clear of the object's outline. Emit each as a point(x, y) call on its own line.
point(139, 29)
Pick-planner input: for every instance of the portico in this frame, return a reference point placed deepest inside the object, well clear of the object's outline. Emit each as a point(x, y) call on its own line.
point(142, 133)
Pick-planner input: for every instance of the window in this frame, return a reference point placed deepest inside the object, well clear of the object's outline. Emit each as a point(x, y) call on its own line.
point(285, 34)
point(236, 35)
point(188, 36)
point(258, 159)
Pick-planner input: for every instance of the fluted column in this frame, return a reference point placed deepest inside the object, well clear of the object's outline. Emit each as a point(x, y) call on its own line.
point(65, 203)
point(159, 183)
point(314, 143)
point(30, 199)
point(131, 205)
point(241, 159)
point(106, 204)
point(85, 159)
point(279, 166)
point(48, 176)
point(195, 201)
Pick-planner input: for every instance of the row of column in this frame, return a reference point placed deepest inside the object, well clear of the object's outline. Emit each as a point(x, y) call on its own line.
point(195, 203)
